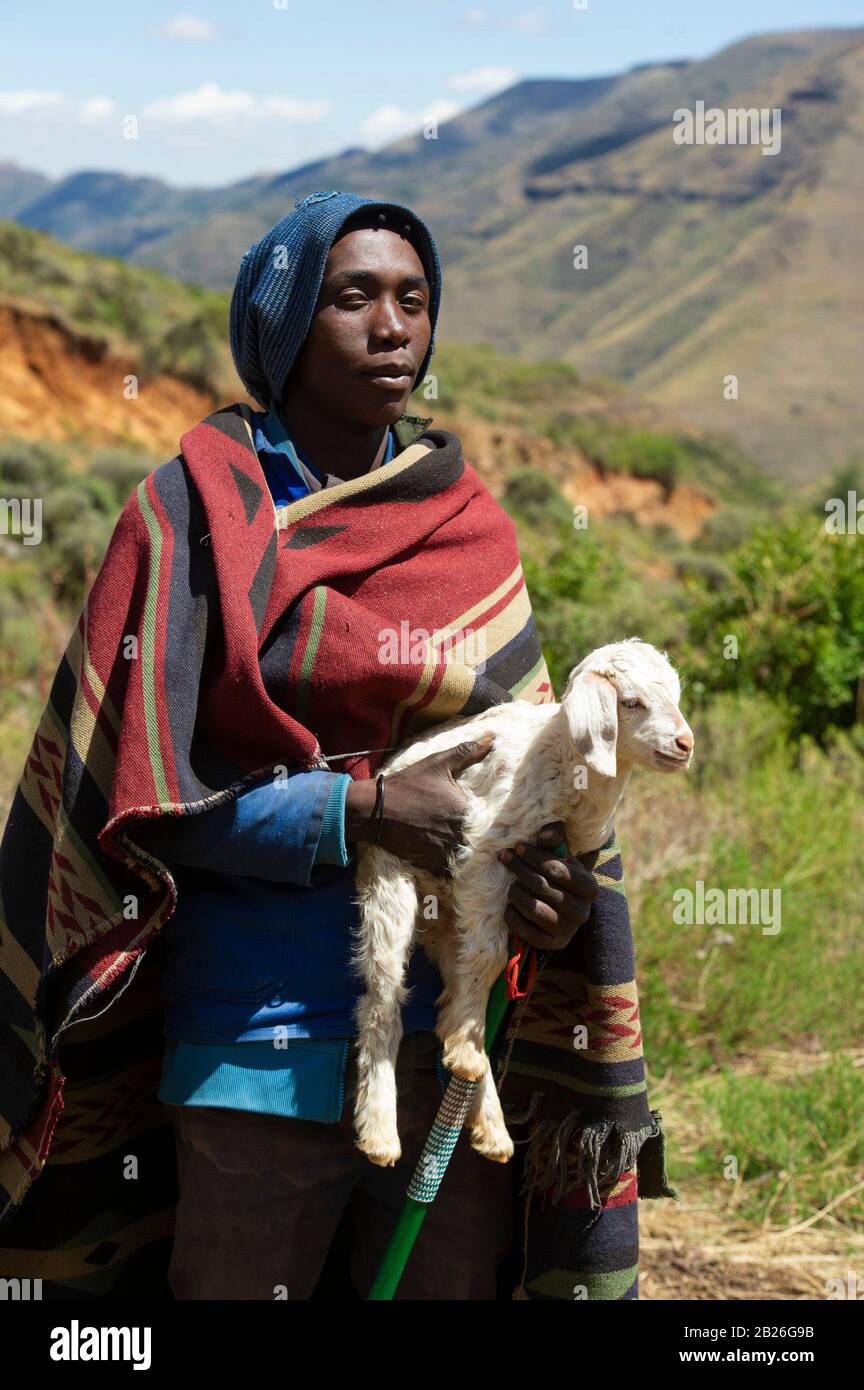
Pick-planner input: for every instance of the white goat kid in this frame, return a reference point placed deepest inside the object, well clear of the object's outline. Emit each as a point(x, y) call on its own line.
point(569, 762)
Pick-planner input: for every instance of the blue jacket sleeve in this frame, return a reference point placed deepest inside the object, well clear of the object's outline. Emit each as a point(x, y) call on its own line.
point(277, 830)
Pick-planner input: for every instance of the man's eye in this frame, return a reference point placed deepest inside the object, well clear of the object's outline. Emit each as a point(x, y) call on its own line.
point(632, 704)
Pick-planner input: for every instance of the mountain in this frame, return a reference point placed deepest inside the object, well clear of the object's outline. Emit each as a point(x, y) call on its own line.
point(19, 188)
point(703, 261)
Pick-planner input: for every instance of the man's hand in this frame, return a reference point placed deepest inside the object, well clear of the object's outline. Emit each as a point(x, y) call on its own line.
point(551, 897)
point(424, 807)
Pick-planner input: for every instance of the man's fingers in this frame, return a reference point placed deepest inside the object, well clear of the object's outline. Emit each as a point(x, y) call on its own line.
point(536, 882)
point(567, 874)
point(455, 760)
point(533, 908)
point(528, 931)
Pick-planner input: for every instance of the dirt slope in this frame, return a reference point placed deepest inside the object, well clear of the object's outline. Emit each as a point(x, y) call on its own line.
point(58, 385)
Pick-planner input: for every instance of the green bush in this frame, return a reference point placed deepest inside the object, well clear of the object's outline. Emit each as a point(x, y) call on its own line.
point(795, 606)
point(190, 350)
point(532, 495)
point(648, 455)
point(727, 528)
point(122, 471)
point(591, 434)
point(28, 469)
point(736, 732)
point(707, 567)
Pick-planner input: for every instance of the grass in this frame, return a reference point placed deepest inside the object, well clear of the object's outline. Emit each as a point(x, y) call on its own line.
point(794, 1140)
point(756, 1037)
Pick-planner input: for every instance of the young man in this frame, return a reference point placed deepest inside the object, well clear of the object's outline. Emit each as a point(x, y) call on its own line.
point(267, 1161)
point(202, 770)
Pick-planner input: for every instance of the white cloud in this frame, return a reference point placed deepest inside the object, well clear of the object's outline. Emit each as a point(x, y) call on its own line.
point(19, 103)
point(529, 22)
point(188, 27)
point(391, 122)
point(291, 109)
point(482, 80)
point(96, 109)
point(211, 103)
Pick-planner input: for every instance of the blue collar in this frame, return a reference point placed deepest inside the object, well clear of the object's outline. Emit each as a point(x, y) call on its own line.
point(281, 457)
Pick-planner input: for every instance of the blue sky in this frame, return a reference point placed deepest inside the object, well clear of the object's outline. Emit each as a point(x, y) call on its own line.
point(230, 88)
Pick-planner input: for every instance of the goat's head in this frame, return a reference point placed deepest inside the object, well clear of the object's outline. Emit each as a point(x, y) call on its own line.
point(621, 705)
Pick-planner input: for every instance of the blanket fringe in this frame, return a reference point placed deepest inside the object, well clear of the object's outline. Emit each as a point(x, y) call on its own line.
point(563, 1154)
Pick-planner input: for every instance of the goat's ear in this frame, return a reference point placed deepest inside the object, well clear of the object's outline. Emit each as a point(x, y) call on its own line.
point(590, 704)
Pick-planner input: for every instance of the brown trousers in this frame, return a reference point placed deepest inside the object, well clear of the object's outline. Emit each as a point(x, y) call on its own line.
point(262, 1197)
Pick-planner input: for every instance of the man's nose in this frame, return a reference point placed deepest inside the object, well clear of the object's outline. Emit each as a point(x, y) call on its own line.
point(390, 322)
point(684, 741)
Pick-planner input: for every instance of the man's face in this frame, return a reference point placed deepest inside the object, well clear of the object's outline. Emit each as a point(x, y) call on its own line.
point(370, 331)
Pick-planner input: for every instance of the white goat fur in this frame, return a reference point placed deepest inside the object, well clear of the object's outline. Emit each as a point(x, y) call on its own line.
point(569, 762)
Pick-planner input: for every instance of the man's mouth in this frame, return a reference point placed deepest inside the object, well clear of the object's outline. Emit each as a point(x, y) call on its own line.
point(390, 376)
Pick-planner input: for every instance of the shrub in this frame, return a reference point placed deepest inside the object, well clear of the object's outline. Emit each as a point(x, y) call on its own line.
point(735, 732)
point(122, 471)
point(532, 495)
point(795, 605)
point(29, 468)
point(727, 528)
point(648, 455)
point(707, 567)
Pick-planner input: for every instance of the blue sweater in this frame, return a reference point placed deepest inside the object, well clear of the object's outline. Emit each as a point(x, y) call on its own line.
point(258, 995)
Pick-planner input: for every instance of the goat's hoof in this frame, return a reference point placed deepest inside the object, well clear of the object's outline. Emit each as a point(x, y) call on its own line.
point(464, 1060)
point(492, 1145)
point(384, 1155)
point(385, 1160)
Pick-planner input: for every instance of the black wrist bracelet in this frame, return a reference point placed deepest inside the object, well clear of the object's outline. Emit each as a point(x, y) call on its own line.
point(378, 808)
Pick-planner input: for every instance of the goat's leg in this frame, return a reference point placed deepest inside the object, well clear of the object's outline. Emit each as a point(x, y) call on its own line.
point(388, 907)
point(479, 897)
point(485, 1121)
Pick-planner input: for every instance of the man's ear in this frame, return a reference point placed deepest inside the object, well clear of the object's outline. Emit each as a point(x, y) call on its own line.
point(590, 704)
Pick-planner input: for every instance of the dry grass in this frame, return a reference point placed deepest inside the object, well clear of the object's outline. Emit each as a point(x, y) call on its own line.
point(698, 1248)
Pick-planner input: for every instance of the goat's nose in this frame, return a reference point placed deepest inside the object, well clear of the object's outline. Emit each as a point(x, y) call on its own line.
point(685, 742)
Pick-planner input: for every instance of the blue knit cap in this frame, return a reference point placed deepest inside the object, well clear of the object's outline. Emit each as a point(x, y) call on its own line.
point(279, 279)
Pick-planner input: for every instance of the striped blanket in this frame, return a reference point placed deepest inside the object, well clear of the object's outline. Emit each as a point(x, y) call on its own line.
point(219, 641)
point(571, 1075)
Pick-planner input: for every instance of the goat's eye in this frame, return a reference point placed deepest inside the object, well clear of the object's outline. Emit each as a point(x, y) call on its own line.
point(632, 704)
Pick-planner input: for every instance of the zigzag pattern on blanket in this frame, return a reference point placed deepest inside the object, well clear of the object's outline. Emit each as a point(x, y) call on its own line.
point(571, 1070)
